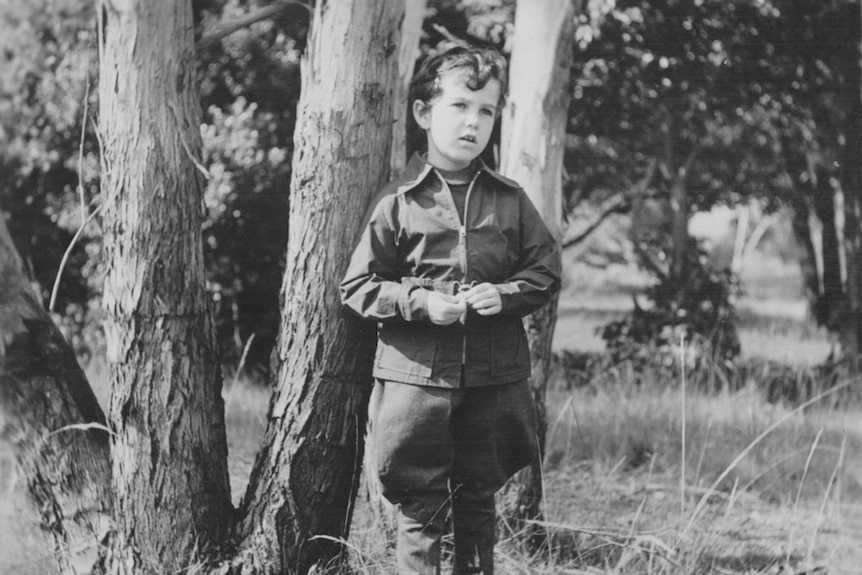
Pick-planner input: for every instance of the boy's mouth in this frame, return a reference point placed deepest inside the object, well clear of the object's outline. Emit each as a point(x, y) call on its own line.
point(468, 138)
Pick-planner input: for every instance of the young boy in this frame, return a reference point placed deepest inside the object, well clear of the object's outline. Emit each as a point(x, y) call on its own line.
point(452, 256)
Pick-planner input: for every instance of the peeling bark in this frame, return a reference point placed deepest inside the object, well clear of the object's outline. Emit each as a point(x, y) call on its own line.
point(170, 452)
point(306, 473)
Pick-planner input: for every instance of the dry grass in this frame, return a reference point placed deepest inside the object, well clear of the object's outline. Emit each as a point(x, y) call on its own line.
point(613, 501)
point(613, 504)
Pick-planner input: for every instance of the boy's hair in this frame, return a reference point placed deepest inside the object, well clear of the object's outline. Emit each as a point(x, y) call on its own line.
point(477, 64)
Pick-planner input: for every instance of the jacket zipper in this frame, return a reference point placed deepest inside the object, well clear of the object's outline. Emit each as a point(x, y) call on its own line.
point(463, 241)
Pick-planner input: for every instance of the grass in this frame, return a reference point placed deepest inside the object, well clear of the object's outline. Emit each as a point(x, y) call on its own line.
point(612, 491)
point(781, 489)
point(612, 473)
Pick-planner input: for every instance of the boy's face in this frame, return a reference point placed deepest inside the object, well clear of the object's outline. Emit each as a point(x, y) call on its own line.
point(458, 122)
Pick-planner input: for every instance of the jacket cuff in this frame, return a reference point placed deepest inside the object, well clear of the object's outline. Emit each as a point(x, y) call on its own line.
point(413, 302)
point(509, 296)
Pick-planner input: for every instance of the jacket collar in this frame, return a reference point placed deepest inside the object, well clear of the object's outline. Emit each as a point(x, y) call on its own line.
point(418, 170)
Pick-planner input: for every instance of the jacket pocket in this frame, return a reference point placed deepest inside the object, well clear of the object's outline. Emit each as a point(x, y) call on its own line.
point(509, 350)
point(406, 352)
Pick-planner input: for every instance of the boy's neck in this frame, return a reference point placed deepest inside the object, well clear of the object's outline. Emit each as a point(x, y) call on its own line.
point(462, 176)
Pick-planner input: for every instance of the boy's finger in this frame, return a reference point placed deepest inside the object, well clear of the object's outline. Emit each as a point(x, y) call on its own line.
point(449, 298)
point(458, 304)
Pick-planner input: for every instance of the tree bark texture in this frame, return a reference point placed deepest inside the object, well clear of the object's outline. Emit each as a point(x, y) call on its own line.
point(533, 143)
point(411, 31)
point(50, 417)
point(170, 452)
point(306, 474)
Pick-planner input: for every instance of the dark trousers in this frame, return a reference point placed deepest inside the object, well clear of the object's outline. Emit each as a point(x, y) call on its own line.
point(442, 449)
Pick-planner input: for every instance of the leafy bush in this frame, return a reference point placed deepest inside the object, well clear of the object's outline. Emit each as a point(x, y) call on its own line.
point(691, 319)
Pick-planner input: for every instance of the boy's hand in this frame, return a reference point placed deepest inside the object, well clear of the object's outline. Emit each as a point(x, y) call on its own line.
point(484, 299)
point(445, 309)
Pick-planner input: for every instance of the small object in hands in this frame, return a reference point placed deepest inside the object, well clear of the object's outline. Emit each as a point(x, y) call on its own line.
point(460, 290)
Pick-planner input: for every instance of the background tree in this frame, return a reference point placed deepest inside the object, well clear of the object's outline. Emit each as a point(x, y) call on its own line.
point(851, 182)
point(533, 146)
point(249, 88)
point(172, 495)
point(669, 113)
point(47, 170)
point(169, 455)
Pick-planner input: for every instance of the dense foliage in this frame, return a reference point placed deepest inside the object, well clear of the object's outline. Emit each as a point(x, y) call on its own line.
point(677, 106)
point(249, 88)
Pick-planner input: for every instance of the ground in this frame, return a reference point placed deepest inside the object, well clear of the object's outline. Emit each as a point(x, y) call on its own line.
point(612, 472)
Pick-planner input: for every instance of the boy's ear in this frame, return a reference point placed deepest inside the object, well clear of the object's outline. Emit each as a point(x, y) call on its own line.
point(422, 114)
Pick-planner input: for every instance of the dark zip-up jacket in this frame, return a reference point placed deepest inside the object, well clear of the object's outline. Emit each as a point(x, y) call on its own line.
point(413, 241)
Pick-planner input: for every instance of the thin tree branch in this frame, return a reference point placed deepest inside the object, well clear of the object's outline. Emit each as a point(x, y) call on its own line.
point(81, 150)
point(66, 255)
point(84, 218)
point(754, 240)
point(650, 261)
point(263, 14)
point(449, 35)
point(616, 205)
point(198, 164)
point(689, 161)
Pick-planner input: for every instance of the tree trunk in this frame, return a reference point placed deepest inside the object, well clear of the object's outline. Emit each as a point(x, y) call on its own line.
point(306, 474)
point(50, 417)
point(411, 31)
point(809, 238)
point(830, 283)
point(851, 183)
point(533, 144)
point(170, 453)
point(679, 207)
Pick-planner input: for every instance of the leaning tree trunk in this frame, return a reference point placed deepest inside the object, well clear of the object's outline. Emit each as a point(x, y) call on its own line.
point(50, 416)
point(306, 473)
point(533, 144)
point(170, 452)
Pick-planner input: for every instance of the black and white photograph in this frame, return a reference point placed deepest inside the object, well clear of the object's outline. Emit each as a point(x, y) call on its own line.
point(430, 287)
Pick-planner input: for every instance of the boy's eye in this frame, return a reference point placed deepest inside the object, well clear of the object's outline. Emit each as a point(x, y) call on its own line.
point(460, 105)
point(487, 112)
